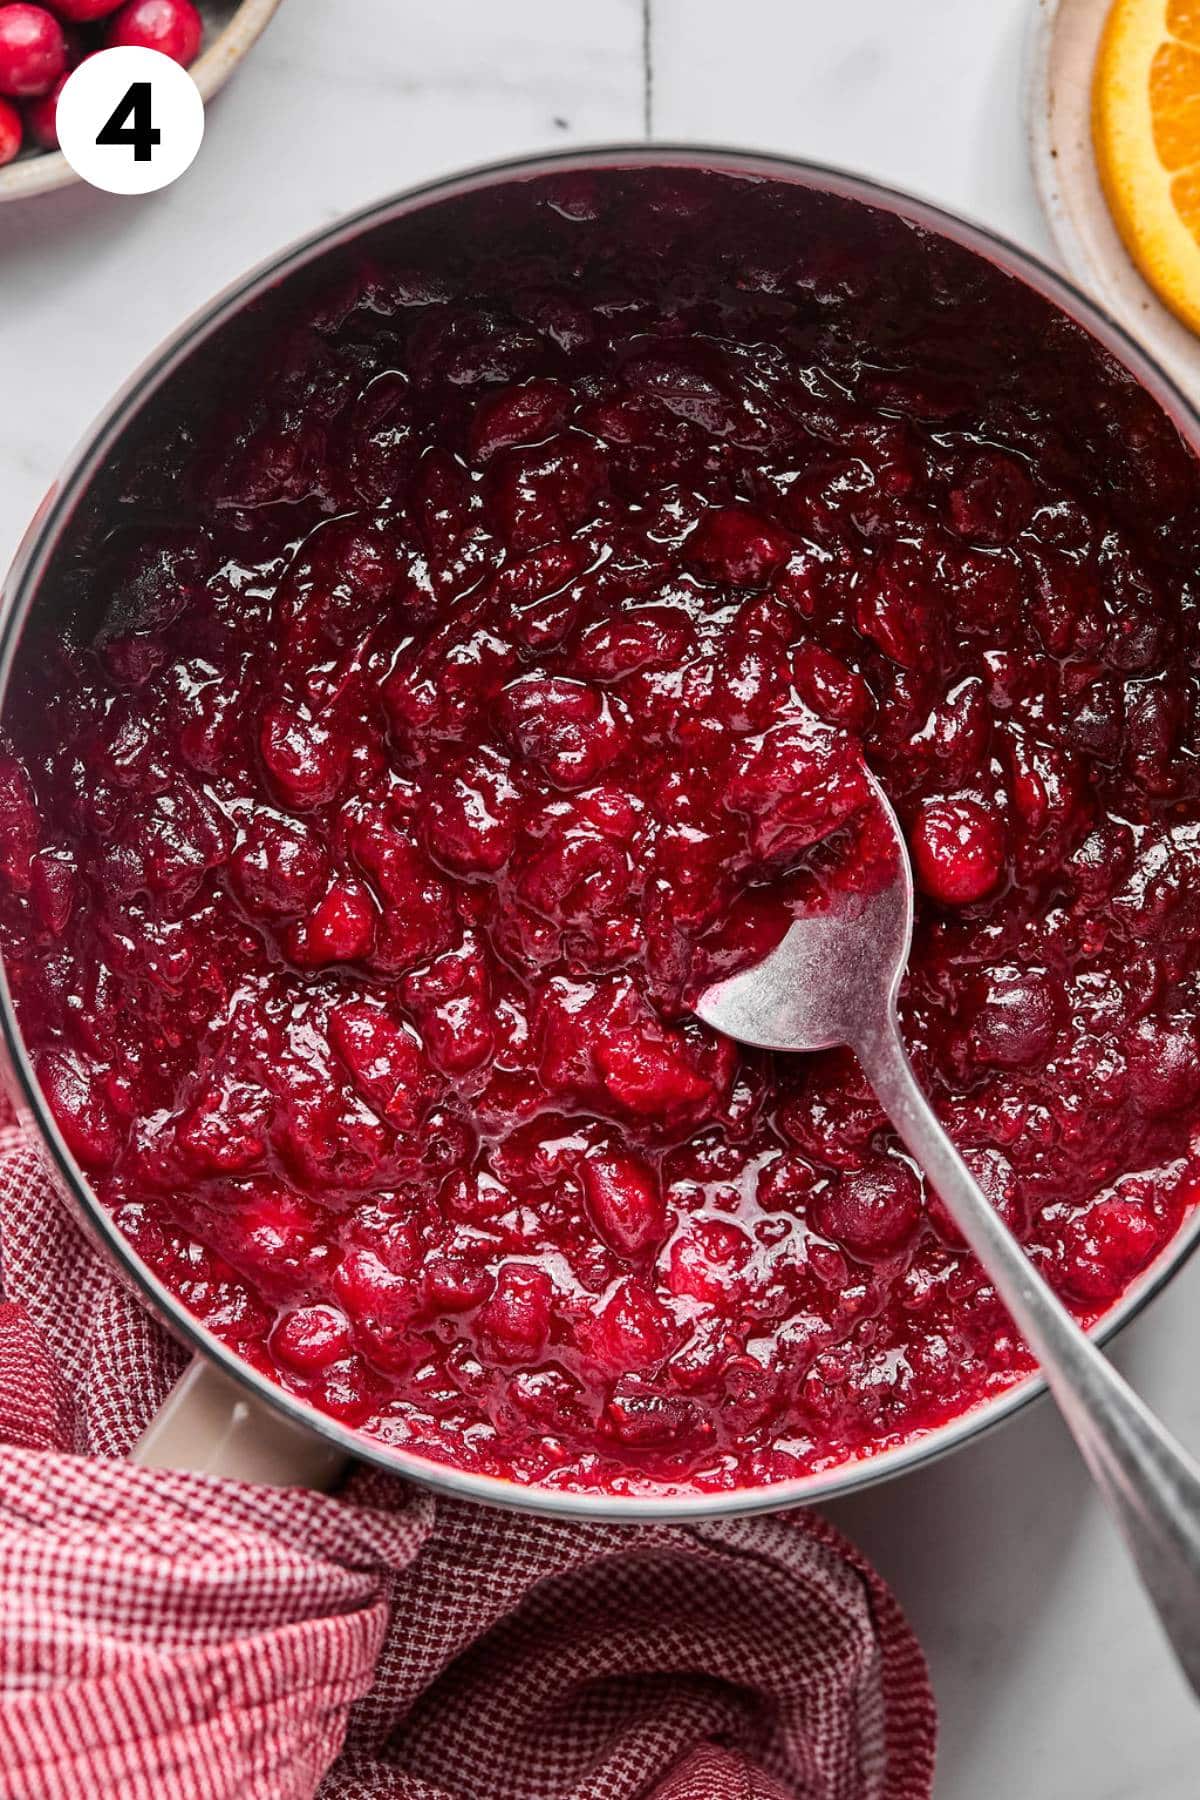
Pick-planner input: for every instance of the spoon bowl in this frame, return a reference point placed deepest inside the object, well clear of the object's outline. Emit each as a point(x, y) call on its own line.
point(827, 973)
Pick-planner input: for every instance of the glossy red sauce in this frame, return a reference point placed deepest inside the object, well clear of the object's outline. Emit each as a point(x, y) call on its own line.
point(485, 686)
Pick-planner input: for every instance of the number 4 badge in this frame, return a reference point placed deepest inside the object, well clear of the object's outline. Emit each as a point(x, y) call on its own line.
point(130, 120)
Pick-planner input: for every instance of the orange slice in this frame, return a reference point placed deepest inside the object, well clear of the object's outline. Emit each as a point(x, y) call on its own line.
point(1146, 131)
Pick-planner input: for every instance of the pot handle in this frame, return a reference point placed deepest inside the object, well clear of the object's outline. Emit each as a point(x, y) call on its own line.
point(214, 1426)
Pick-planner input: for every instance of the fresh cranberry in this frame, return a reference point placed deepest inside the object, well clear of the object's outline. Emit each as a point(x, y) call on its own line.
point(173, 27)
point(33, 51)
point(11, 132)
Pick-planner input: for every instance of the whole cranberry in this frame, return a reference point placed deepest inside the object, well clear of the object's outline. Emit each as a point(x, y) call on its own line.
point(41, 115)
point(875, 1212)
point(172, 26)
point(10, 132)
point(311, 1338)
point(958, 850)
point(33, 51)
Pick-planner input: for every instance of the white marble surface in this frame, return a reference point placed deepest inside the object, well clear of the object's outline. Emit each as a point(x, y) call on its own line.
point(1052, 1682)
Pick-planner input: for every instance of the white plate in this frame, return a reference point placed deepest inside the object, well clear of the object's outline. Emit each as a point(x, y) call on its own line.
point(1064, 36)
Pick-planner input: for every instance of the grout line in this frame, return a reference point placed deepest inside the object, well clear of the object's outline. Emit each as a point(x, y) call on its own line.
point(647, 68)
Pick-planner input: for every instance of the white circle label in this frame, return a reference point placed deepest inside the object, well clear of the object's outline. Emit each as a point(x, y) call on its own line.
point(130, 120)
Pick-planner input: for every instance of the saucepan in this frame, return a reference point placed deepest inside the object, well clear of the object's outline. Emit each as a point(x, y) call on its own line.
point(225, 1416)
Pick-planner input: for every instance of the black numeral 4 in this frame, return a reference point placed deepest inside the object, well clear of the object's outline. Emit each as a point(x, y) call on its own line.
point(130, 123)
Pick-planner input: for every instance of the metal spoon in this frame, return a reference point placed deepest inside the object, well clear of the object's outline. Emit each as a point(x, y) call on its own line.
point(833, 980)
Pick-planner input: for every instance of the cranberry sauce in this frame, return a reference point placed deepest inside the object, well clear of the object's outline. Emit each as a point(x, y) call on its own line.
point(480, 683)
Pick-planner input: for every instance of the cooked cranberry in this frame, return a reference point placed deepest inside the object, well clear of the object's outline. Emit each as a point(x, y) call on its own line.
point(830, 688)
point(625, 1202)
point(992, 500)
point(311, 1338)
point(513, 666)
point(795, 785)
point(644, 1418)
point(53, 886)
point(305, 756)
point(80, 1109)
point(280, 867)
point(33, 51)
point(565, 727)
point(541, 496)
point(471, 814)
point(340, 927)
point(226, 1131)
point(649, 637)
point(648, 1069)
point(1164, 1064)
point(958, 851)
point(173, 27)
point(451, 1002)
point(1109, 1243)
point(873, 1213)
point(385, 1062)
point(632, 1331)
point(1018, 1018)
point(737, 546)
point(18, 825)
point(519, 415)
point(516, 1320)
point(705, 1258)
point(373, 1289)
point(998, 1179)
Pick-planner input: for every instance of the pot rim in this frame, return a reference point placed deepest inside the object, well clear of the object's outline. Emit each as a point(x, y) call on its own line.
point(29, 566)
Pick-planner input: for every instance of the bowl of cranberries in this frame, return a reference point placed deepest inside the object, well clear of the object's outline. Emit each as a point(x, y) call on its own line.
point(444, 660)
point(40, 44)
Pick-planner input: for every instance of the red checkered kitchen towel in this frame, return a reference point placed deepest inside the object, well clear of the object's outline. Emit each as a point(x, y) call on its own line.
point(183, 1638)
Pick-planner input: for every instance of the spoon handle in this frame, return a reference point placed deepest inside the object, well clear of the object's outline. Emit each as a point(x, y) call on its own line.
point(1151, 1484)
